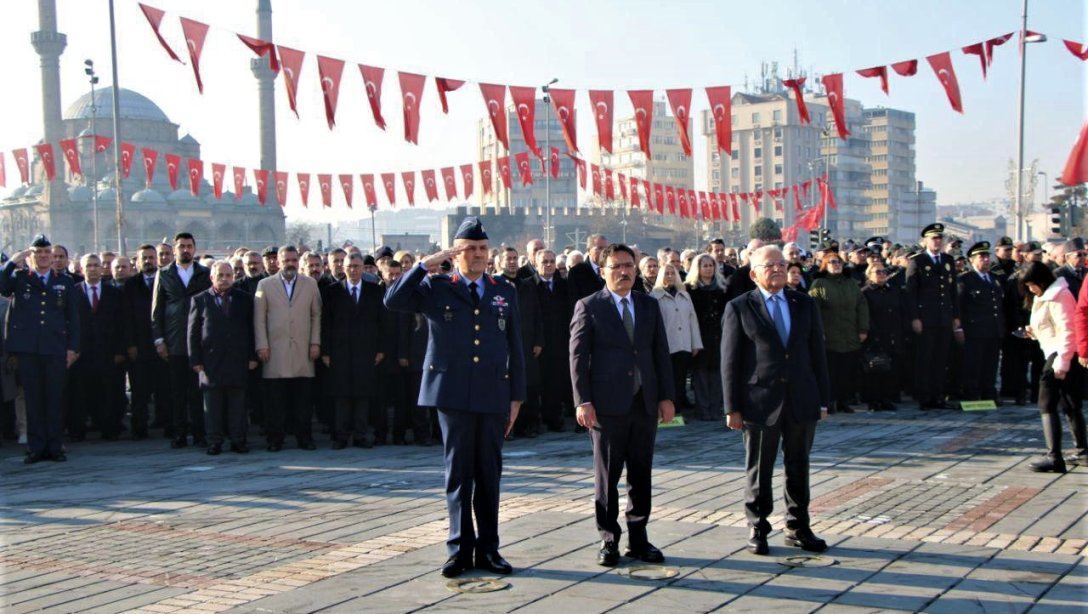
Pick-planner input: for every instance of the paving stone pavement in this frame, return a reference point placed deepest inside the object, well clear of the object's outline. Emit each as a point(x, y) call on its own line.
point(933, 512)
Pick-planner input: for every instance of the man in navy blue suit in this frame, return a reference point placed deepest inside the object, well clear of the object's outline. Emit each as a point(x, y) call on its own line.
point(474, 374)
point(774, 377)
point(623, 385)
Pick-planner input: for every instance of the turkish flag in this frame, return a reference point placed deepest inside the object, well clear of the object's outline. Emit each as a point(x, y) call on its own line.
point(260, 176)
point(218, 171)
point(978, 49)
point(429, 185)
point(682, 197)
point(194, 39)
point(525, 168)
point(22, 161)
point(196, 174)
point(45, 152)
point(563, 103)
point(553, 157)
point(446, 85)
point(154, 17)
point(680, 101)
point(715, 206)
point(389, 181)
point(1076, 167)
point(721, 103)
point(449, 179)
point(580, 164)
point(806, 187)
point(670, 199)
point(797, 198)
point(621, 179)
point(596, 170)
point(372, 83)
point(281, 187)
point(409, 179)
point(239, 181)
point(71, 154)
point(602, 113)
point(704, 205)
point(485, 176)
point(3, 172)
point(525, 104)
point(745, 197)
point(609, 186)
point(466, 177)
point(734, 206)
point(304, 187)
point(906, 68)
point(411, 91)
point(995, 42)
point(942, 66)
point(330, 70)
point(643, 102)
point(659, 197)
point(877, 71)
point(347, 183)
point(262, 48)
point(102, 143)
point(324, 183)
point(825, 193)
point(128, 152)
point(636, 200)
point(795, 85)
point(369, 192)
point(173, 169)
point(291, 61)
point(833, 85)
point(778, 205)
point(504, 172)
point(1078, 49)
point(495, 100)
point(150, 157)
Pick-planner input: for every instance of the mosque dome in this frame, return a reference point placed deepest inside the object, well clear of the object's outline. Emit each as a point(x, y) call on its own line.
point(148, 196)
point(79, 193)
point(132, 106)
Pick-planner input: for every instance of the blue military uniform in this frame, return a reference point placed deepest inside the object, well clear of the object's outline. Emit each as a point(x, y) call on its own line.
point(42, 326)
point(474, 368)
point(931, 298)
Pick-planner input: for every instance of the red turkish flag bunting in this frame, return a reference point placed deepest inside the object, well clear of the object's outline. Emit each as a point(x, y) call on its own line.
point(721, 104)
point(995, 42)
point(45, 152)
point(372, 83)
point(659, 197)
point(906, 68)
point(942, 66)
point(466, 177)
point(563, 103)
point(444, 85)
point(195, 32)
point(22, 160)
point(495, 101)
point(128, 152)
point(173, 169)
point(1076, 167)
point(347, 183)
point(525, 105)
point(715, 206)
point(71, 154)
point(291, 61)
point(389, 181)
point(602, 113)
point(979, 50)
point(411, 91)
point(833, 85)
point(825, 193)
point(239, 181)
point(154, 17)
point(797, 198)
point(670, 199)
point(525, 168)
point(734, 205)
point(877, 71)
point(799, 97)
point(3, 172)
point(505, 173)
point(196, 174)
point(609, 187)
point(324, 183)
point(409, 179)
point(260, 176)
point(150, 157)
point(485, 176)
point(330, 70)
point(596, 170)
point(1078, 49)
point(102, 143)
point(643, 102)
point(218, 172)
point(262, 48)
point(636, 200)
point(304, 187)
point(281, 187)
point(580, 164)
point(553, 157)
point(369, 192)
point(682, 197)
point(621, 179)
point(449, 179)
point(680, 101)
point(429, 185)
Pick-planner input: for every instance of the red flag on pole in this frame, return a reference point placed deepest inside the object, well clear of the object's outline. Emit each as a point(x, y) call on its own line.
point(239, 181)
point(45, 152)
point(525, 105)
point(281, 187)
point(411, 89)
point(554, 159)
point(71, 154)
point(680, 101)
point(324, 184)
point(799, 97)
point(1076, 167)
point(602, 113)
point(369, 192)
point(372, 82)
point(196, 174)
point(446, 85)
point(291, 60)
point(304, 187)
point(260, 176)
point(173, 169)
point(942, 66)
point(833, 85)
point(596, 170)
point(449, 179)
point(563, 103)
point(907, 68)
point(525, 169)
point(409, 179)
point(495, 100)
point(429, 185)
point(485, 176)
point(347, 183)
point(330, 70)
point(877, 71)
point(505, 173)
point(609, 186)
point(262, 48)
point(154, 17)
point(195, 32)
point(389, 180)
point(22, 160)
point(643, 102)
point(128, 152)
point(150, 157)
point(467, 179)
point(721, 104)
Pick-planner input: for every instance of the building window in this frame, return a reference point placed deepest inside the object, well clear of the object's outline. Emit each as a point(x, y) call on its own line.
point(778, 151)
point(777, 115)
point(736, 154)
point(758, 152)
point(777, 169)
point(755, 120)
point(759, 171)
point(734, 173)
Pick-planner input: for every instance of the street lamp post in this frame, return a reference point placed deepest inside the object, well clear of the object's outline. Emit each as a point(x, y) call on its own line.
point(547, 170)
point(1018, 198)
point(88, 69)
point(117, 137)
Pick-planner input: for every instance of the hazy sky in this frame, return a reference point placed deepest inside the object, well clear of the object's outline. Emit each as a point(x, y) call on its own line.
point(628, 44)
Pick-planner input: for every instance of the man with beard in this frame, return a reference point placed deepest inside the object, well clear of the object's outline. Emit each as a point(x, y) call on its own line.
point(270, 258)
point(149, 375)
point(254, 273)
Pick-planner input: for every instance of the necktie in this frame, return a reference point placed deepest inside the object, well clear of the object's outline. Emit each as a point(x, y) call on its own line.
point(986, 276)
point(779, 321)
point(475, 297)
point(629, 326)
point(94, 299)
point(150, 281)
point(224, 304)
point(355, 294)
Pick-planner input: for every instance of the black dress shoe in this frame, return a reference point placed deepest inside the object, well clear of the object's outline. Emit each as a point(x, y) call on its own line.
point(178, 442)
point(275, 447)
point(339, 444)
point(646, 554)
point(1048, 465)
point(59, 457)
point(215, 449)
point(805, 540)
point(31, 458)
point(240, 448)
point(493, 562)
point(609, 555)
point(455, 566)
point(757, 543)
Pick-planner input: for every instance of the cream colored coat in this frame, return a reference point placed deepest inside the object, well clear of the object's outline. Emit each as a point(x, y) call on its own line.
point(1052, 323)
point(287, 328)
point(681, 323)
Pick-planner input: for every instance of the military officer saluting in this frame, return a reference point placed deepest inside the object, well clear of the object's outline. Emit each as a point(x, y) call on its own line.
point(43, 335)
point(934, 314)
point(981, 299)
point(474, 374)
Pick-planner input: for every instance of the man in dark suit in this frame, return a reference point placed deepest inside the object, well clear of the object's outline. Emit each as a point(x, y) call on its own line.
point(740, 282)
point(474, 375)
point(623, 386)
point(43, 336)
point(555, 312)
point(1071, 267)
point(584, 278)
point(221, 352)
point(175, 285)
point(101, 351)
point(150, 375)
point(775, 386)
point(716, 248)
point(532, 339)
point(529, 270)
point(934, 314)
point(981, 307)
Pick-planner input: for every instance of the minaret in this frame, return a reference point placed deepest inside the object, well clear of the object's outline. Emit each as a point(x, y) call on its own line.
point(266, 79)
point(50, 44)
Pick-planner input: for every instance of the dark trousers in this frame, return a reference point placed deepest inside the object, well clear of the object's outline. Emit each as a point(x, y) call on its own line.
point(91, 382)
point(225, 404)
point(529, 414)
point(289, 403)
point(842, 373)
point(399, 384)
point(352, 417)
point(680, 363)
point(472, 444)
point(188, 406)
point(255, 396)
point(150, 376)
point(707, 383)
point(979, 368)
point(120, 402)
point(877, 388)
point(43, 378)
point(620, 441)
point(760, 452)
point(931, 350)
point(1025, 363)
point(384, 394)
point(1066, 395)
point(556, 391)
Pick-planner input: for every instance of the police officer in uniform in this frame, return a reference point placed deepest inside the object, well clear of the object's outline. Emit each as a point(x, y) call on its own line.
point(934, 314)
point(981, 299)
point(43, 335)
point(469, 314)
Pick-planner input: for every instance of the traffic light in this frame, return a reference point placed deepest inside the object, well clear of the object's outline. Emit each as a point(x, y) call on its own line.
point(813, 238)
point(825, 235)
point(1056, 221)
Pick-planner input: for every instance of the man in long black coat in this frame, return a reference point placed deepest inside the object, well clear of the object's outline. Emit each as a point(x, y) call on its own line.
point(101, 350)
point(555, 313)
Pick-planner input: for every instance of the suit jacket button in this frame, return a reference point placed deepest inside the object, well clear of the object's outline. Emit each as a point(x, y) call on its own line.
point(476, 311)
point(476, 341)
point(431, 367)
point(787, 356)
point(477, 327)
point(475, 359)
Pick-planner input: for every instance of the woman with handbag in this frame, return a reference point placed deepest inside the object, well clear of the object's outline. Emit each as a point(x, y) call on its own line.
point(881, 350)
point(845, 316)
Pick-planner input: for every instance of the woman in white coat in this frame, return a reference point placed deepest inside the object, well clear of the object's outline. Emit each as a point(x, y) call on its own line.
point(681, 327)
